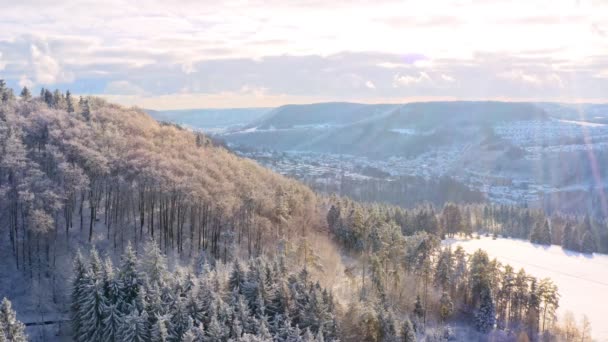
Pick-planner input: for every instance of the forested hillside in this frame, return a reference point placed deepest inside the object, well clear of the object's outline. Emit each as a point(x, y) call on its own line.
point(181, 218)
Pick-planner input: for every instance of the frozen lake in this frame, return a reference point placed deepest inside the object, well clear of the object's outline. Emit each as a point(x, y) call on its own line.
point(582, 279)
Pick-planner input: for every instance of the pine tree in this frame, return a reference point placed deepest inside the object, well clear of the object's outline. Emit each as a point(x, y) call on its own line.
point(26, 95)
point(541, 233)
point(569, 240)
point(91, 309)
point(12, 328)
point(86, 110)
point(154, 264)
point(485, 317)
point(388, 326)
point(444, 269)
point(237, 277)
point(48, 98)
point(128, 275)
point(446, 307)
point(159, 331)
point(418, 310)
point(69, 102)
point(588, 244)
point(79, 270)
point(134, 328)
point(308, 336)
point(214, 331)
point(112, 322)
point(180, 321)
point(407, 331)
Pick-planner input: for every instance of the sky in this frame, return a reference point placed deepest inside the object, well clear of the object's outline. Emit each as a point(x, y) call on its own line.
point(214, 54)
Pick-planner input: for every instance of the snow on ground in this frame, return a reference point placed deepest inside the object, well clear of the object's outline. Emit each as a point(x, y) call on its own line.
point(582, 279)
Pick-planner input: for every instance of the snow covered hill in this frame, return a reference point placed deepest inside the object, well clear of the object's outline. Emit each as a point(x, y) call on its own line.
point(582, 279)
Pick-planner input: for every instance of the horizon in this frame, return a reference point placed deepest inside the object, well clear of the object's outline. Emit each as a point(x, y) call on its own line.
point(373, 103)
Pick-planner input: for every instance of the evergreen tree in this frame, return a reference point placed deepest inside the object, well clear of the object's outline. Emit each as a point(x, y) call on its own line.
point(569, 240)
point(135, 328)
point(128, 275)
point(237, 278)
point(48, 98)
point(26, 95)
point(214, 331)
point(112, 322)
point(86, 110)
point(11, 328)
point(69, 102)
point(407, 331)
point(588, 244)
point(418, 309)
point(91, 309)
point(159, 332)
point(154, 264)
point(485, 317)
point(446, 307)
point(388, 326)
point(78, 282)
point(541, 233)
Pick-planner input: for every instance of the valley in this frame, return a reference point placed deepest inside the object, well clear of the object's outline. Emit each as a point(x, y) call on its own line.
point(514, 153)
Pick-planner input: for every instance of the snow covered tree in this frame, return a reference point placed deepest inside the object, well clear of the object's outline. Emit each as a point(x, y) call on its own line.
point(451, 219)
point(86, 110)
point(10, 328)
point(154, 264)
point(112, 323)
point(407, 331)
point(128, 274)
point(237, 277)
point(541, 233)
point(78, 282)
point(485, 317)
point(588, 244)
point(446, 307)
point(418, 309)
point(215, 331)
point(91, 309)
point(135, 328)
point(444, 269)
point(159, 331)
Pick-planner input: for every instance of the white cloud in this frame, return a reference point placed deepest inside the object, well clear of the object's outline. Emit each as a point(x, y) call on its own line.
point(521, 76)
point(370, 85)
point(46, 68)
point(447, 78)
point(408, 80)
point(24, 81)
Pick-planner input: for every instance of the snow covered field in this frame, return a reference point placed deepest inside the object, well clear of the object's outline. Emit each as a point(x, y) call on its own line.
point(582, 279)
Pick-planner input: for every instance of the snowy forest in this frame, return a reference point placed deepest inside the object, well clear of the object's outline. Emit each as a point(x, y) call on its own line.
point(119, 228)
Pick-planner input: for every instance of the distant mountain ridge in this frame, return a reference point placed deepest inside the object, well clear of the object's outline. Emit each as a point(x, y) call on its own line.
point(378, 129)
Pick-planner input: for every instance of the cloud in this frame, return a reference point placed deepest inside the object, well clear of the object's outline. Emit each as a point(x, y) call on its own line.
point(46, 69)
point(448, 49)
point(408, 80)
point(447, 78)
point(24, 81)
point(521, 76)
